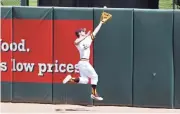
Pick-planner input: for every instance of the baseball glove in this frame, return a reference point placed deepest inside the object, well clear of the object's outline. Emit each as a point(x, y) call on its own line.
point(105, 17)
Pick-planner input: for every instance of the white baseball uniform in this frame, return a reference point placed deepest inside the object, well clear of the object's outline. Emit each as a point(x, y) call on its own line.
point(85, 68)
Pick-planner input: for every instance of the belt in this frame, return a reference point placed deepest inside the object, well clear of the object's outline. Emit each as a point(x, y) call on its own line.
point(84, 59)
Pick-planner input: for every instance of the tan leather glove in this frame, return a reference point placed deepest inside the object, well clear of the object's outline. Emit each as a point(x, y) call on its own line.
point(105, 17)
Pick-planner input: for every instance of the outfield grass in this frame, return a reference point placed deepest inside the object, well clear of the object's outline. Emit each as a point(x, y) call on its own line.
point(163, 4)
point(33, 2)
point(17, 2)
point(10, 2)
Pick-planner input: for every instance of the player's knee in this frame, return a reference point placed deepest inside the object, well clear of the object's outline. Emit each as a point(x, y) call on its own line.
point(94, 80)
point(94, 76)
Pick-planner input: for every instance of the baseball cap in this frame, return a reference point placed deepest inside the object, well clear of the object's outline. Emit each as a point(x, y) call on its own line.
point(79, 30)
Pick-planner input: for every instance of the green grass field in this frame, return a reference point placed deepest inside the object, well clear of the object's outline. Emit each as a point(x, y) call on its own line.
point(17, 2)
point(33, 2)
point(163, 4)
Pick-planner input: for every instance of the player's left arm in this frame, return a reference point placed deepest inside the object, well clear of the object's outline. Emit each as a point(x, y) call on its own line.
point(104, 18)
point(96, 30)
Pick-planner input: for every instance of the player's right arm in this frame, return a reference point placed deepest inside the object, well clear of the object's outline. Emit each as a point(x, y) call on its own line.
point(77, 41)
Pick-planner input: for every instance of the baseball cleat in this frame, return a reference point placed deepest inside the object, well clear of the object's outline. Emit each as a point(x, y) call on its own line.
point(67, 79)
point(95, 97)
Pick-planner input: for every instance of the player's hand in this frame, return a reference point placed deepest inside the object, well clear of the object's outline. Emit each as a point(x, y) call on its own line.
point(89, 32)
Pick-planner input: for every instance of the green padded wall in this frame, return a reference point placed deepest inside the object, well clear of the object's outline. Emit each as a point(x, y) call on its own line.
point(176, 57)
point(6, 12)
point(113, 57)
point(153, 58)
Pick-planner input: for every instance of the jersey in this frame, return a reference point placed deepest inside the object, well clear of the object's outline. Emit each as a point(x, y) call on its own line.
point(84, 47)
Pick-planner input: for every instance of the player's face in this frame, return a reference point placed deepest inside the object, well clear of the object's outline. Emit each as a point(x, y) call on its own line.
point(83, 32)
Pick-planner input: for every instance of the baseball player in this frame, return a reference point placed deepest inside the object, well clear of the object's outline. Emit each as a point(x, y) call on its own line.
point(83, 43)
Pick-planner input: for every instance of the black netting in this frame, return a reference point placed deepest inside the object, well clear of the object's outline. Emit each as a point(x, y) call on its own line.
point(177, 2)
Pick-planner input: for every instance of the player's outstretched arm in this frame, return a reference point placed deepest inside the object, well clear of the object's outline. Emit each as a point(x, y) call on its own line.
point(104, 18)
point(96, 30)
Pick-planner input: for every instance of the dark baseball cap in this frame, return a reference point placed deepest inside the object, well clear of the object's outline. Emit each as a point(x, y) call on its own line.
point(81, 29)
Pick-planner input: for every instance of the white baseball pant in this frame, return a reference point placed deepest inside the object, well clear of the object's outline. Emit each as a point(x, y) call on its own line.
point(87, 71)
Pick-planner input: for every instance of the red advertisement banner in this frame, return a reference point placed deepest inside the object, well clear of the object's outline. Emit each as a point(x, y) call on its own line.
point(40, 51)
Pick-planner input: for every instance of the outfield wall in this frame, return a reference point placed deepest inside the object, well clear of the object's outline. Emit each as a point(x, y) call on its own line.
point(135, 55)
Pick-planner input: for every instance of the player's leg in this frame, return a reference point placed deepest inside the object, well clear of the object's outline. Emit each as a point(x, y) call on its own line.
point(86, 70)
point(94, 81)
point(83, 79)
point(70, 79)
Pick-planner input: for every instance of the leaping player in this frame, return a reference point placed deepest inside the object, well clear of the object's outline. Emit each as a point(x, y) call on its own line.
point(83, 43)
